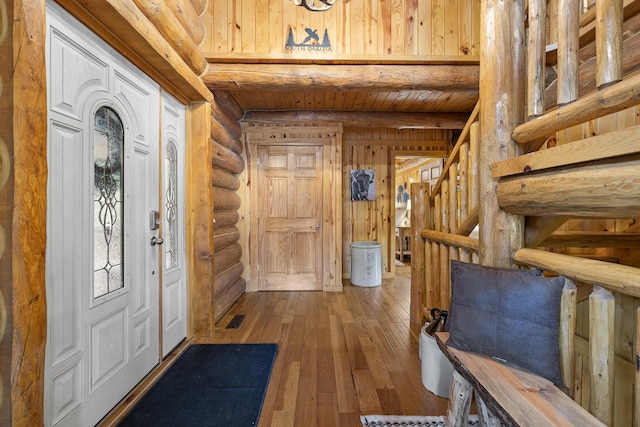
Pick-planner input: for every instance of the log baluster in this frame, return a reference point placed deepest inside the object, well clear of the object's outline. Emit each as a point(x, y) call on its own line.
point(474, 138)
point(568, 48)
point(536, 57)
point(608, 42)
point(464, 182)
point(453, 198)
point(567, 334)
point(420, 201)
point(435, 275)
point(601, 349)
point(444, 198)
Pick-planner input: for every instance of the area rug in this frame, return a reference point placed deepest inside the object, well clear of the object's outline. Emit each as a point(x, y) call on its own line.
point(209, 385)
point(409, 420)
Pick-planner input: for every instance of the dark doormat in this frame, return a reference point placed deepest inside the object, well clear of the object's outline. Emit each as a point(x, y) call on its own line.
point(209, 385)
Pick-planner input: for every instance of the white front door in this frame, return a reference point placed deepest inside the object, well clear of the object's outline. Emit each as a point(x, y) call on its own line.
point(102, 269)
point(174, 289)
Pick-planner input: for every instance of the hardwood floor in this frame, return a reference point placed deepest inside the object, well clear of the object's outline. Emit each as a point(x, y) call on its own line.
point(341, 355)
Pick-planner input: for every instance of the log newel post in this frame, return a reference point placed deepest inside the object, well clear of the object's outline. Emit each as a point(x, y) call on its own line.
point(420, 202)
point(502, 66)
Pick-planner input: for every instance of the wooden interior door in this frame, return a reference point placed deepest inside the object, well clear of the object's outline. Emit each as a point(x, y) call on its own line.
point(290, 244)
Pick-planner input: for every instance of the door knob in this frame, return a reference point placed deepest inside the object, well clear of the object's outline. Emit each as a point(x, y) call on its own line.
point(156, 240)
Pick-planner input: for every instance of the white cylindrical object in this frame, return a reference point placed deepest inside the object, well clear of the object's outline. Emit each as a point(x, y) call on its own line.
point(437, 371)
point(366, 264)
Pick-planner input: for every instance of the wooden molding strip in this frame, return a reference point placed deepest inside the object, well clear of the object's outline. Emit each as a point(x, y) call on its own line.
point(612, 144)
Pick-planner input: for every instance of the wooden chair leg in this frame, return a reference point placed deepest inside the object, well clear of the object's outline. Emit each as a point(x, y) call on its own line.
point(459, 401)
point(487, 418)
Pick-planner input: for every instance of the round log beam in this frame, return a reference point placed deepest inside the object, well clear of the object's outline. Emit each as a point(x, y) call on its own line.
point(174, 33)
point(597, 191)
point(444, 78)
point(226, 159)
point(221, 178)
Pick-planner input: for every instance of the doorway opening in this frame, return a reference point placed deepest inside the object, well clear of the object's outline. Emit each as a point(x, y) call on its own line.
point(409, 170)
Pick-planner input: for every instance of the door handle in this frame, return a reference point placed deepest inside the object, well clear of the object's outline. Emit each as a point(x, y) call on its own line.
point(156, 240)
point(317, 226)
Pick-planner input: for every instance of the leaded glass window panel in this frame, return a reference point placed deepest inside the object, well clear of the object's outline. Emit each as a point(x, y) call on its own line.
point(108, 206)
point(171, 208)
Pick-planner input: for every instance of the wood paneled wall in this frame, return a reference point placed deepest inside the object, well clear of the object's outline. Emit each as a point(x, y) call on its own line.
point(356, 29)
point(376, 149)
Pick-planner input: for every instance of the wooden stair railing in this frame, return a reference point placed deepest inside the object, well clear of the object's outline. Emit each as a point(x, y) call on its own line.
point(451, 208)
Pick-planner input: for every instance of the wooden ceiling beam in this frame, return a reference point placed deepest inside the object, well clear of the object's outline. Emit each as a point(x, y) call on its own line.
point(444, 78)
point(363, 119)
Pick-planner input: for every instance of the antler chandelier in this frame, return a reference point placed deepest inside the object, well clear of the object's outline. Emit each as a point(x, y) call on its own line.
point(315, 5)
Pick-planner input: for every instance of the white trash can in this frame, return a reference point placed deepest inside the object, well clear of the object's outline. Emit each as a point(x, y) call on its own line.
point(366, 264)
point(437, 371)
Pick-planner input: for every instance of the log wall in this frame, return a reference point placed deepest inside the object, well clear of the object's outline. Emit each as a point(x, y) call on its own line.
point(6, 216)
point(228, 164)
point(376, 149)
point(356, 30)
